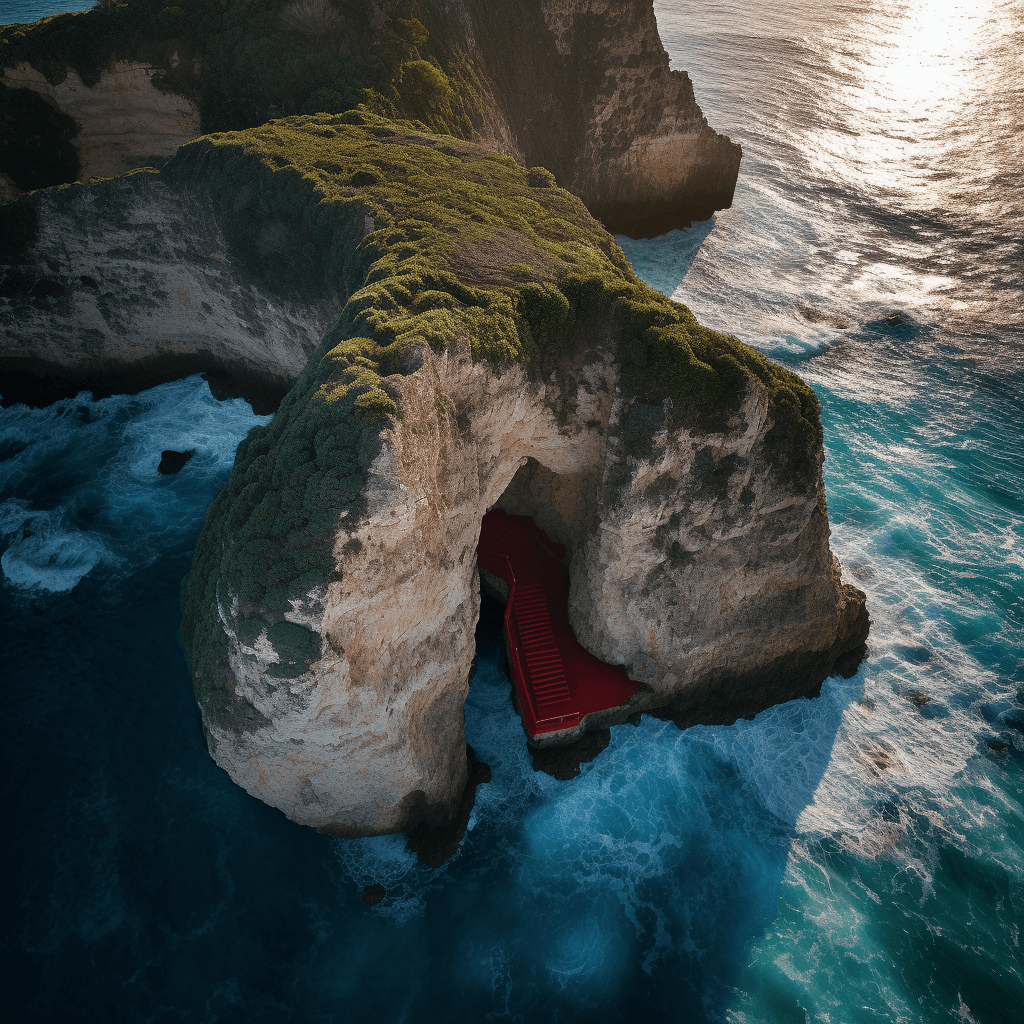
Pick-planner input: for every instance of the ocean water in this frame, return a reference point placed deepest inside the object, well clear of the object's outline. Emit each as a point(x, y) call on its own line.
point(13, 12)
point(858, 857)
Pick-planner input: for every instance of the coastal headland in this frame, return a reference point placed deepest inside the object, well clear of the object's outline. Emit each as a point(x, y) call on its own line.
point(443, 329)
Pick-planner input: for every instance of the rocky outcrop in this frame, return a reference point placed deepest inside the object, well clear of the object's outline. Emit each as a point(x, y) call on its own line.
point(583, 89)
point(495, 351)
point(694, 561)
point(123, 120)
point(127, 283)
point(493, 348)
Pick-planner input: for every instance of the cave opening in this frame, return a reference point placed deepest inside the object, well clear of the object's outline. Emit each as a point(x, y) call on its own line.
point(527, 540)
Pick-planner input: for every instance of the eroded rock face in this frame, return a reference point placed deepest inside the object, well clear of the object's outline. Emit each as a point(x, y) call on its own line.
point(128, 283)
point(699, 559)
point(695, 559)
point(370, 739)
point(585, 89)
point(708, 573)
point(124, 120)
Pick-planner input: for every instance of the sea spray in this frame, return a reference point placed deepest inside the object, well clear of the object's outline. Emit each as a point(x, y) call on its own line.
point(80, 491)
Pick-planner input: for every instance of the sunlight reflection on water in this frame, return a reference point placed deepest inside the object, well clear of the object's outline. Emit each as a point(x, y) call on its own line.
point(897, 99)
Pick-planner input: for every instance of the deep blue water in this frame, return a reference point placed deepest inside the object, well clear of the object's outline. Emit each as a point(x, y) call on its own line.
point(859, 857)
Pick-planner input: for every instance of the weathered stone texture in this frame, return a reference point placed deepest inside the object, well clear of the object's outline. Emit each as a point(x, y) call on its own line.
point(585, 89)
point(124, 120)
point(124, 284)
point(691, 557)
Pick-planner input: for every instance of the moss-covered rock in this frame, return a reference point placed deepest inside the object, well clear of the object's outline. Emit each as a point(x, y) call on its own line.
point(584, 97)
point(428, 208)
point(427, 236)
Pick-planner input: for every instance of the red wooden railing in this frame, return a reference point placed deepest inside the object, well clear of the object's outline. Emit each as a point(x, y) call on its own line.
point(557, 680)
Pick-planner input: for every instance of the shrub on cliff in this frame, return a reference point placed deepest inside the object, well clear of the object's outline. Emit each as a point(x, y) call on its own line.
point(427, 95)
point(245, 61)
point(428, 237)
point(541, 177)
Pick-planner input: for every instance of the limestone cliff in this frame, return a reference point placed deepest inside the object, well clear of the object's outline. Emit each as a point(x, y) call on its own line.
point(585, 89)
point(127, 283)
point(495, 349)
point(582, 88)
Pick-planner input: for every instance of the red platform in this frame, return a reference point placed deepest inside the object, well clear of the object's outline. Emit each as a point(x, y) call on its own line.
point(557, 680)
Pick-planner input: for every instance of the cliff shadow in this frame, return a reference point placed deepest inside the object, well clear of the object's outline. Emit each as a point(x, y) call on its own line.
point(664, 262)
point(658, 867)
point(559, 503)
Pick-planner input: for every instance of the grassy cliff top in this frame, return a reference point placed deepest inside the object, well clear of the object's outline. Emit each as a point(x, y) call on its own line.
point(434, 242)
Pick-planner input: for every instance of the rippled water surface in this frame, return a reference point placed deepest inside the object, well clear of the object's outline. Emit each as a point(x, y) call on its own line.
point(854, 858)
point(26, 11)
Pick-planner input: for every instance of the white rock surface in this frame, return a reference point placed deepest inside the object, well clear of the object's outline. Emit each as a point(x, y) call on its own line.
point(146, 288)
point(124, 120)
point(370, 739)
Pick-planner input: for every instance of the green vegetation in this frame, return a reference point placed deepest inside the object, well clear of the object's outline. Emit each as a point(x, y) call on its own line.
point(430, 238)
point(241, 62)
point(296, 646)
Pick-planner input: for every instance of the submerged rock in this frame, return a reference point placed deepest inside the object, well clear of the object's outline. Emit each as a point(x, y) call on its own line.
point(173, 462)
point(564, 762)
point(373, 894)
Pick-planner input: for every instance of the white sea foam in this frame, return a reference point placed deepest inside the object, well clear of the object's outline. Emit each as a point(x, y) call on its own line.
point(54, 561)
point(81, 493)
point(384, 860)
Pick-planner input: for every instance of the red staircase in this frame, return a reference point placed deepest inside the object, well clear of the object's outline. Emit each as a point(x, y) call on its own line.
point(557, 680)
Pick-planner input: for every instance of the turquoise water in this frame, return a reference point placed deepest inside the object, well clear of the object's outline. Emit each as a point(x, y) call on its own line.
point(875, 246)
point(27, 11)
point(858, 857)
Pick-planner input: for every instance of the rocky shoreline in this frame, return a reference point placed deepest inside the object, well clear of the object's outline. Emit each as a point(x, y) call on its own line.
point(442, 331)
